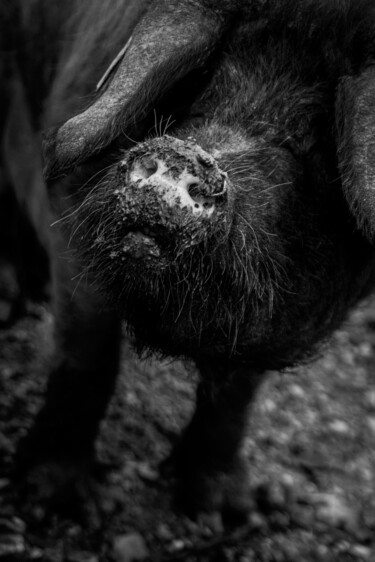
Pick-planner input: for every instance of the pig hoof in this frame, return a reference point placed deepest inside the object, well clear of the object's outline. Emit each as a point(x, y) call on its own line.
point(212, 496)
point(66, 488)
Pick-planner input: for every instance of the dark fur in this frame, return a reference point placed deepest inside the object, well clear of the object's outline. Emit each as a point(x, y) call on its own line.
point(260, 293)
point(277, 272)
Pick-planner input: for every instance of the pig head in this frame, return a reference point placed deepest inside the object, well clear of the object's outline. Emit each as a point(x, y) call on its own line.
point(207, 237)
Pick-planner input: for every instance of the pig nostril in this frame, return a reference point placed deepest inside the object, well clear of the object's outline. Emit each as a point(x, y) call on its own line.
point(147, 167)
point(200, 200)
point(193, 190)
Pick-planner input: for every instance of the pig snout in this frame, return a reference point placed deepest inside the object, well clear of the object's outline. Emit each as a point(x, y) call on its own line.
point(171, 195)
point(184, 190)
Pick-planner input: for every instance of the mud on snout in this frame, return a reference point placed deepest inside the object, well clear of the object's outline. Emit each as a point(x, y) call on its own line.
point(163, 197)
point(170, 195)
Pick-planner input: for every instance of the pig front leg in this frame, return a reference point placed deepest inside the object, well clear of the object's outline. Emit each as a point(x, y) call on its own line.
point(213, 477)
point(57, 455)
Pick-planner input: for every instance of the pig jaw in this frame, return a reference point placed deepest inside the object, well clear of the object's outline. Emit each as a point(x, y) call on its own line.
point(170, 195)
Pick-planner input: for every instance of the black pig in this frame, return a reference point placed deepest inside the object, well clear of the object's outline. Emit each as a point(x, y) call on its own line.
point(238, 240)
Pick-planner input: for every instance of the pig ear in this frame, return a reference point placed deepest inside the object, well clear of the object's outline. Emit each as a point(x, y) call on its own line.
point(355, 124)
point(172, 39)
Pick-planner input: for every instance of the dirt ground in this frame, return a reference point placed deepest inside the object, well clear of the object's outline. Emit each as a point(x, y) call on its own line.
point(310, 447)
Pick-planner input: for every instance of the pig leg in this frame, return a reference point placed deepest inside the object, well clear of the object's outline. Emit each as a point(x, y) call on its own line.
point(213, 476)
point(59, 450)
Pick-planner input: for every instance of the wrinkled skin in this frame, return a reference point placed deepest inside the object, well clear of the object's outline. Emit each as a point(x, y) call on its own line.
point(238, 238)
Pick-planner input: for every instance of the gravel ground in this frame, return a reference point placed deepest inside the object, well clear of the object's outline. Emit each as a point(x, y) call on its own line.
point(310, 447)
